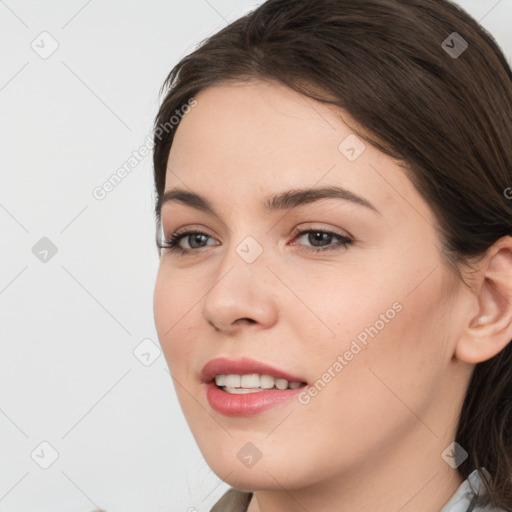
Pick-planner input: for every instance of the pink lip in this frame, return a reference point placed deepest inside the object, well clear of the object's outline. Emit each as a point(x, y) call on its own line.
point(247, 404)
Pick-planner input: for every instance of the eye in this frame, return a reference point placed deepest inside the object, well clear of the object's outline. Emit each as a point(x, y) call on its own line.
point(196, 240)
point(321, 240)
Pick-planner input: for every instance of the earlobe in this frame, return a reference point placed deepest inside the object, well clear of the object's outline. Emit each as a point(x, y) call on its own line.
point(490, 330)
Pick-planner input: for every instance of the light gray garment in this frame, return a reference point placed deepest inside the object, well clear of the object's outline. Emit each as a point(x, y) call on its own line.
point(237, 501)
point(459, 502)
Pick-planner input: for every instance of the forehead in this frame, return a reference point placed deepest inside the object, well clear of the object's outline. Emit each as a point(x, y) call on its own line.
point(252, 138)
point(245, 114)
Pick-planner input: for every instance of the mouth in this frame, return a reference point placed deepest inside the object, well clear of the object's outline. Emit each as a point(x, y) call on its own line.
point(253, 383)
point(245, 373)
point(245, 387)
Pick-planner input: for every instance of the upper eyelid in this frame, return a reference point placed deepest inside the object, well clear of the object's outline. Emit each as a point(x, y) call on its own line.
point(296, 231)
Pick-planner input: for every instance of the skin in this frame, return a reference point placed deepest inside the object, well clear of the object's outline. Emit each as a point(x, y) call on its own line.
point(372, 438)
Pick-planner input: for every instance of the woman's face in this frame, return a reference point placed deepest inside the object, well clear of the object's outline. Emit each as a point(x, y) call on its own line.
point(370, 327)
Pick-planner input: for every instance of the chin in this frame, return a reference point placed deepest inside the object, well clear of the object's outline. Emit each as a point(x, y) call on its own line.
point(269, 475)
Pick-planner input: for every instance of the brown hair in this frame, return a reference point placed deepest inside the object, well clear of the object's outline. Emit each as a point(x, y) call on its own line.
point(445, 116)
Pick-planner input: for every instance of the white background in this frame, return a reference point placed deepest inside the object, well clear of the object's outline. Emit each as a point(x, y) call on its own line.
point(69, 326)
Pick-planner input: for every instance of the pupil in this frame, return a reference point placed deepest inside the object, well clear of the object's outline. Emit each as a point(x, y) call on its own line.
point(320, 237)
point(195, 239)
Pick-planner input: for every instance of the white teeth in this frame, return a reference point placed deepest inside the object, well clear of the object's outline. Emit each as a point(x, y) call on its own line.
point(281, 383)
point(242, 391)
point(232, 381)
point(252, 382)
point(220, 380)
point(267, 381)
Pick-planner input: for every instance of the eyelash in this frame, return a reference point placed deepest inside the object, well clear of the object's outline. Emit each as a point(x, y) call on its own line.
point(171, 244)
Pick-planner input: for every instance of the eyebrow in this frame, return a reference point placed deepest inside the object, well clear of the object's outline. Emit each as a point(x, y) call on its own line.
point(283, 200)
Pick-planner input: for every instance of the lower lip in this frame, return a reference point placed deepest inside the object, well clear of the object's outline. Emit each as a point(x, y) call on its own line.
point(247, 404)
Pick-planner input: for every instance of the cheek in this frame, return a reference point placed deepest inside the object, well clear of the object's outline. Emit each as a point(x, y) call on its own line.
point(403, 362)
point(390, 340)
point(173, 307)
point(333, 310)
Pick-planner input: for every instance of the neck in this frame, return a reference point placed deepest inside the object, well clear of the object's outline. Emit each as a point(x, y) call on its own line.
point(414, 478)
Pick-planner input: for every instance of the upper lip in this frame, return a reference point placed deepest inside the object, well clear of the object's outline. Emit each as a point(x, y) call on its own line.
point(243, 366)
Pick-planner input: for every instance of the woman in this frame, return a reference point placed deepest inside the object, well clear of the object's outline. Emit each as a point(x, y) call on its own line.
point(334, 298)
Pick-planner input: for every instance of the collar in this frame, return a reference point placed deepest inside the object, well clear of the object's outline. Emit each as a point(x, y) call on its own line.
point(237, 501)
point(467, 490)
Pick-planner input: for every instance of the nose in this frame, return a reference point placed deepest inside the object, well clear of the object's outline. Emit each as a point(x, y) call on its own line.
point(242, 294)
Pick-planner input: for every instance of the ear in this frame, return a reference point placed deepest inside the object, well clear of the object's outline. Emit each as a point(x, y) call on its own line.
point(490, 330)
